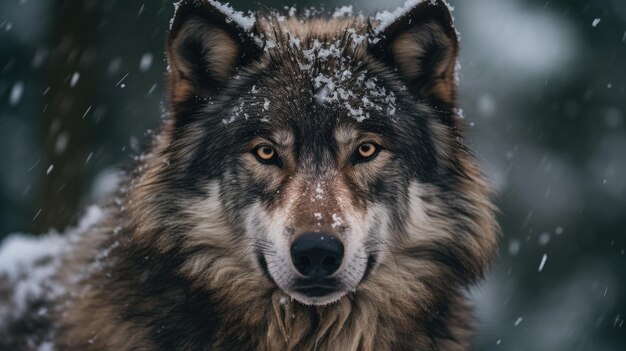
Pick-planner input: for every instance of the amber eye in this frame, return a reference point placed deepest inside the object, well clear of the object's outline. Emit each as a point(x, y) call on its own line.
point(367, 151)
point(266, 154)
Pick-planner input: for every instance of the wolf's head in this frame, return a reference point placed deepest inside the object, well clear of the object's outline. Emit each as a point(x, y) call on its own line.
point(323, 156)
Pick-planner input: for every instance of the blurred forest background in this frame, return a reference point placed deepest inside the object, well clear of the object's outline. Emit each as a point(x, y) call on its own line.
point(542, 87)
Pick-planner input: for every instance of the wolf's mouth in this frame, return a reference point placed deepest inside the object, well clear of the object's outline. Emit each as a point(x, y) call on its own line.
point(316, 287)
point(316, 290)
point(308, 287)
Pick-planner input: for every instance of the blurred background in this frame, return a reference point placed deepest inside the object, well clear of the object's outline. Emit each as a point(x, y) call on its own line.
point(542, 88)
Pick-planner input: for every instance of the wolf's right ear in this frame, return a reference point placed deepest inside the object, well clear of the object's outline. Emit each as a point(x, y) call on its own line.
point(420, 43)
point(207, 43)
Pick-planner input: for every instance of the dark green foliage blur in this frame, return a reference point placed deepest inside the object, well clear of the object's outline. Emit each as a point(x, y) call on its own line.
point(543, 93)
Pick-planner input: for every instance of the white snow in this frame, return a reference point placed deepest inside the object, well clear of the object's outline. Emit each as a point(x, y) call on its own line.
point(30, 262)
point(86, 112)
point(245, 22)
point(176, 7)
point(337, 220)
point(74, 79)
point(152, 88)
point(340, 83)
point(61, 143)
point(319, 192)
point(595, 22)
point(146, 62)
point(121, 80)
point(16, 93)
point(294, 41)
point(544, 238)
point(19, 251)
point(518, 321)
point(486, 105)
point(46, 346)
point(385, 18)
point(543, 262)
point(334, 87)
point(336, 84)
point(237, 112)
point(40, 56)
point(343, 11)
point(356, 38)
point(292, 11)
point(105, 183)
point(514, 247)
point(114, 66)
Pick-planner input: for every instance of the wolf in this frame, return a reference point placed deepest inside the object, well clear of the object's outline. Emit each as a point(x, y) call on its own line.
point(310, 189)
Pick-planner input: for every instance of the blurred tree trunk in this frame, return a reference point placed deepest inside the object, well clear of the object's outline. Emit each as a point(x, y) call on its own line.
point(72, 80)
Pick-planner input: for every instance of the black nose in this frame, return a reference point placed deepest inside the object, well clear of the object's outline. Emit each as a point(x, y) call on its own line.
point(317, 254)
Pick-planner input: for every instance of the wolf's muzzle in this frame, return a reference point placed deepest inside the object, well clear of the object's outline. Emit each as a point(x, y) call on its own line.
point(317, 255)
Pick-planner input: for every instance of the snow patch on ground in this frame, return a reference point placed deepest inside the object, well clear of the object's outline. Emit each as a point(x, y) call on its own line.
point(28, 263)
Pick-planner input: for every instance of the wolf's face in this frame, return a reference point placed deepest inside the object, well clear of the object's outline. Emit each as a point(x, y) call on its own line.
point(321, 154)
point(316, 189)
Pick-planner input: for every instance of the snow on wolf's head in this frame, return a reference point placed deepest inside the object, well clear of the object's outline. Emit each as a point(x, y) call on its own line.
point(315, 155)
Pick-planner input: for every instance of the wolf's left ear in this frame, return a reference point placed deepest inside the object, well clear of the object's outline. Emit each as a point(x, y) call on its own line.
point(422, 45)
point(207, 43)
